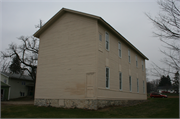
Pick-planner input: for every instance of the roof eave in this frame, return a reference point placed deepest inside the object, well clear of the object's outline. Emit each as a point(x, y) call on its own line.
point(63, 10)
point(56, 16)
point(117, 33)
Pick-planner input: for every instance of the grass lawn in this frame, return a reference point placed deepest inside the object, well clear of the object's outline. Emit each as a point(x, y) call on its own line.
point(153, 108)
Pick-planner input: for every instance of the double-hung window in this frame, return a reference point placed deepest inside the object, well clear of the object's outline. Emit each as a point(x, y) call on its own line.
point(119, 48)
point(137, 85)
point(107, 77)
point(136, 61)
point(23, 83)
point(129, 55)
point(107, 41)
point(120, 80)
point(130, 88)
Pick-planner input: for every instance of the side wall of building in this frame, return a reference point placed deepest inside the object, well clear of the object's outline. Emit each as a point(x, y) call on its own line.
point(18, 86)
point(116, 64)
point(67, 59)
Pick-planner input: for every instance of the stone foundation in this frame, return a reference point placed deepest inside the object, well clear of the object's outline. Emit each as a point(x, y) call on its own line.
point(85, 103)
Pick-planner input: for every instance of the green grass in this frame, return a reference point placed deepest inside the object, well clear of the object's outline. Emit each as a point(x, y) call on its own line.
point(171, 94)
point(153, 108)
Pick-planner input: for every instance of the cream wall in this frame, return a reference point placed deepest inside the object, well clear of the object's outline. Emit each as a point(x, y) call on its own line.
point(72, 62)
point(67, 59)
point(112, 60)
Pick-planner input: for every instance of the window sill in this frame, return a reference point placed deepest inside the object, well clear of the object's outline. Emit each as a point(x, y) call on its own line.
point(107, 50)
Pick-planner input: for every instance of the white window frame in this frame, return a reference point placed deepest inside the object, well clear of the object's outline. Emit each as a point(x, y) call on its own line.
point(107, 41)
point(129, 55)
point(137, 85)
point(136, 61)
point(120, 80)
point(107, 87)
point(119, 49)
point(130, 83)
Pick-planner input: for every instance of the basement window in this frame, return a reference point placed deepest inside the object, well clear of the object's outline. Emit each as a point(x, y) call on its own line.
point(107, 77)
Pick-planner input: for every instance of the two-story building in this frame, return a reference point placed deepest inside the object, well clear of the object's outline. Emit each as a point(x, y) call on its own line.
point(84, 62)
point(15, 86)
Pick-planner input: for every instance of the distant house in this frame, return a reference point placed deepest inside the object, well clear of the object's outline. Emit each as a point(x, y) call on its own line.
point(5, 91)
point(15, 86)
point(84, 62)
point(168, 89)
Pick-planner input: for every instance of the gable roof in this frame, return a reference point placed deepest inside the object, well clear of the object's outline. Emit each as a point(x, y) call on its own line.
point(64, 10)
point(17, 76)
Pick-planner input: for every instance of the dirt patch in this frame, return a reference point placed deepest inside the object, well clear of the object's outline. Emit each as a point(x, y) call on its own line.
point(17, 103)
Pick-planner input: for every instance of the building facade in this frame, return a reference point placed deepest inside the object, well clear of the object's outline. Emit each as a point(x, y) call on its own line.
point(83, 62)
point(19, 85)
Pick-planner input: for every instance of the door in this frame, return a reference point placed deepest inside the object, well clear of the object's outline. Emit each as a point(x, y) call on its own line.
point(90, 82)
point(2, 94)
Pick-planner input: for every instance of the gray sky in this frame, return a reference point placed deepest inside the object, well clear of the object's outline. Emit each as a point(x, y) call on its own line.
point(19, 17)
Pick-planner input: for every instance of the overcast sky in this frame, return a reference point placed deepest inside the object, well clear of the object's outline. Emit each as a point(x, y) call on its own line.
point(19, 17)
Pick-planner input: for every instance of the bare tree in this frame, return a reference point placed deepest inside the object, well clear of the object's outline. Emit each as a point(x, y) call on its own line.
point(168, 30)
point(26, 53)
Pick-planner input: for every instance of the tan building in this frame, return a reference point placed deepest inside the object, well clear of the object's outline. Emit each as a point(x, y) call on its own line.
point(84, 62)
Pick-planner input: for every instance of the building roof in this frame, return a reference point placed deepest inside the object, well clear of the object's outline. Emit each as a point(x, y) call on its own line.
point(64, 10)
point(17, 76)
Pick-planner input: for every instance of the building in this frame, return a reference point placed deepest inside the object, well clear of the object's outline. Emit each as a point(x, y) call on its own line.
point(15, 86)
point(166, 89)
point(84, 62)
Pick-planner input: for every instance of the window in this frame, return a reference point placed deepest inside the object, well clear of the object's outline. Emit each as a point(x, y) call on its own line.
point(107, 77)
point(23, 83)
point(130, 83)
point(100, 37)
point(129, 55)
point(142, 65)
point(120, 80)
point(107, 41)
point(5, 80)
point(143, 87)
point(136, 61)
point(137, 85)
point(22, 94)
point(119, 47)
